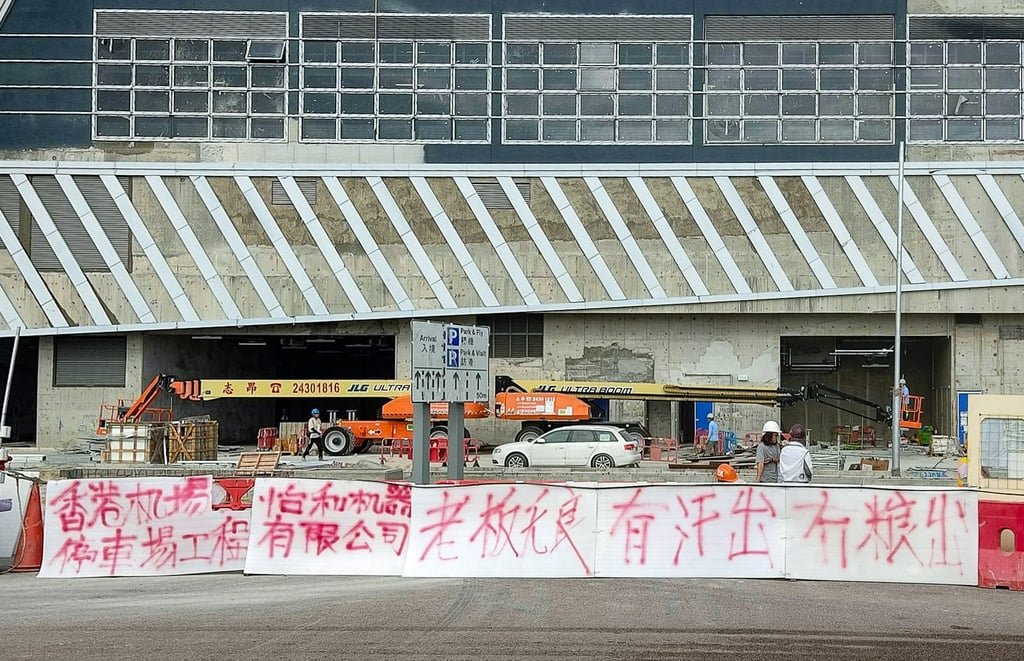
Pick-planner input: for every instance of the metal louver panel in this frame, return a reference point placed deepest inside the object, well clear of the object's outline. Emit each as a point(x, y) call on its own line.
point(10, 202)
point(454, 27)
point(966, 27)
point(307, 186)
point(89, 361)
point(542, 27)
point(71, 228)
point(201, 24)
point(798, 28)
point(493, 196)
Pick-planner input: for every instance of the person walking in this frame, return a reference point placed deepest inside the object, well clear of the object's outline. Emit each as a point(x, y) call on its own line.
point(795, 459)
point(313, 429)
point(713, 436)
point(767, 456)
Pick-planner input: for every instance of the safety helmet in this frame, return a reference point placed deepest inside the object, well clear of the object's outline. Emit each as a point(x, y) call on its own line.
point(771, 426)
point(711, 416)
point(903, 382)
point(725, 473)
point(316, 411)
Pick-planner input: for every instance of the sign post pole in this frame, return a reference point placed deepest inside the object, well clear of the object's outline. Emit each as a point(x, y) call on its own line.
point(456, 432)
point(421, 443)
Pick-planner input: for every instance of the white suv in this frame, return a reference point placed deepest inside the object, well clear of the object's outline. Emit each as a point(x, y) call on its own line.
point(579, 445)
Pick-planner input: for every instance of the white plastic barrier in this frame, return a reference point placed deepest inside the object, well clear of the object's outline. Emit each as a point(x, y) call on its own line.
point(326, 527)
point(159, 526)
point(139, 527)
point(14, 495)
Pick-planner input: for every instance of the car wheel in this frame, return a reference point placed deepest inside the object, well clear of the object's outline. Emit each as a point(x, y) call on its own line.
point(602, 461)
point(516, 460)
point(528, 434)
point(440, 431)
point(338, 441)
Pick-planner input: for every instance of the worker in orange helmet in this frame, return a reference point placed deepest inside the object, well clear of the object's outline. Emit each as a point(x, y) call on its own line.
point(726, 473)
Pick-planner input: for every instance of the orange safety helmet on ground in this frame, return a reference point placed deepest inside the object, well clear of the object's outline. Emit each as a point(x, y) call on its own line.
point(725, 473)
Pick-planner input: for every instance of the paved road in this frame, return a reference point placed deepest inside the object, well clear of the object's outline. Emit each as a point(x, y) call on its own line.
point(231, 616)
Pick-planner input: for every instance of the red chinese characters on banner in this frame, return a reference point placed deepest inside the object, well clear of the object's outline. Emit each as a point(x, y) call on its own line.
point(885, 534)
point(503, 530)
point(329, 527)
point(140, 527)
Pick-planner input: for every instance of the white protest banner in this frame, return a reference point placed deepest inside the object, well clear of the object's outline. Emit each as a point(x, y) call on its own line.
point(900, 535)
point(151, 526)
point(731, 531)
point(515, 530)
point(329, 527)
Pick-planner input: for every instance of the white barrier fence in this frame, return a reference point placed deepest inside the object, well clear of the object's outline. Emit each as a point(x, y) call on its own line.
point(323, 527)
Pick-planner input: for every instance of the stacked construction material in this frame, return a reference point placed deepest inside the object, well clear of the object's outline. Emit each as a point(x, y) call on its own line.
point(192, 440)
point(134, 443)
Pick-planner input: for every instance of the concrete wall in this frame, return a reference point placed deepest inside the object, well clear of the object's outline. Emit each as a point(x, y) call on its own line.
point(67, 415)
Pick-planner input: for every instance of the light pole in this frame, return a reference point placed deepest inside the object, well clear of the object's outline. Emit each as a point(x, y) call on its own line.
point(897, 392)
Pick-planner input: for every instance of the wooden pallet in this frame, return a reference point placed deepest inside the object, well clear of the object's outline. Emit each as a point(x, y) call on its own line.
point(257, 463)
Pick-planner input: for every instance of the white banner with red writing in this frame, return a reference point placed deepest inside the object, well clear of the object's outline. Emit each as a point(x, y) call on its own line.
point(886, 535)
point(733, 531)
point(534, 530)
point(150, 526)
point(328, 527)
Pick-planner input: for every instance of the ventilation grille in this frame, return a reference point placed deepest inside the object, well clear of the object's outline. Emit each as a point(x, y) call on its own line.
point(598, 28)
point(493, 195)
point(798, 28)
point(1011, 332)
point(307, 185)
point(71, 228)
point(10, 202)
point(89, 361)
point(966, 27)
point(201, 24)
point(449, 27)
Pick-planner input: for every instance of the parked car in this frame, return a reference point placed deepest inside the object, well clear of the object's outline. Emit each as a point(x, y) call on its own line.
point(598, 446)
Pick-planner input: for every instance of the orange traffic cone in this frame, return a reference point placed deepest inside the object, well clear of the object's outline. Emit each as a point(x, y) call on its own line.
point(28, 556)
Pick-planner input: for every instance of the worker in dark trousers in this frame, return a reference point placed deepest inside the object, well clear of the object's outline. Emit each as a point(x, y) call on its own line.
point(313, 429)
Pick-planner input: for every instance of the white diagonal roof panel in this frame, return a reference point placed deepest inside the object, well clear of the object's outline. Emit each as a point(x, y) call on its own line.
point(878, 219)
point(718, 247)
point(497, 240)
point(753, 232)
point(583, 240)
point(458, 247)
point(369, 244)
point(1003, 206)
point(193, 246)
point(931, 233)
point(149, 247)
point(105, 248)
point(540, 240)
point(60, 248)
point(796, 230)
point(971, 226)
point(629, 244)
point(839, 230)
point(238, 247)
point(668, 236)
point(324, 243)
point(281, 245)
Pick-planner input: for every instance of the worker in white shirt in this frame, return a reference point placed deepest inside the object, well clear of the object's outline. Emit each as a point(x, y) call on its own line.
point(313, 429)
point(795, 460)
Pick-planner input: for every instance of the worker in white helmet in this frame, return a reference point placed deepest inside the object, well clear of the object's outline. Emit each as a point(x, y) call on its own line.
point(768, 453)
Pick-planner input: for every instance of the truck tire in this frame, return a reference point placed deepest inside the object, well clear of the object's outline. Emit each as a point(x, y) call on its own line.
point(528, 433)
point(339, 441)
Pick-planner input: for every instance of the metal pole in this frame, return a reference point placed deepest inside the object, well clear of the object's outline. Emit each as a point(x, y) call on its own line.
point(7, 388)
point(421, 443)
point(897, 395)
point(456, 432)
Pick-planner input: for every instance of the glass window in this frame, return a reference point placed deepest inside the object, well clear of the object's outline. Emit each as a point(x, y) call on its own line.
point(191, 76)
point(235, 102)
point(362, 129)
point(673, 79)
point(798, 130)
point(357, 52)
point(672, 105)
point(761, 104)
point(559, 79)
point(798, 79)
point(761, 79)
point(761, 54)
point(635, 104)
point(582, 436)
point(639, 54)
point(1002, 52)
point(230, 77)
point(152, 75)
point(356, 78)
point(597, 104)
point(522, 53)
point(597, 130)
point(312, 129)
point(153, 101)
point(635, 79)
point(559, 104)
point(723, 54)
point(392, 78)
point(926, 53)
point(191, 50)
point(518, 130)
point(191, 102)
point(599, 54)
point(522, 104)
point(832, 53)
point(433, 79)
point(522, 79)
point(471, 53)
point(433, 53)
point(113, 100)
point(395, 53)
point(229, 51)
point(1002, 78)
point(114, 74)
point(153, 49)
point(880, 53)
point(357, 104)
point(268, 77)
point(265, 51)
point(961, 52)
point(597, 79)
point(1002, 129)
point(1002, 104)
point(114, 49)
point(319, 78)
point(723, 105)
point(557, 436)
point(395, 104)
point(471, 105)
point(472, 79)
point(319, 51)
point(799, 104)
point(670, 54)
point(433, 104)
point(799, 53)
point(559, 53)
point(267, 102)
point(964, 79)
point(224, 127)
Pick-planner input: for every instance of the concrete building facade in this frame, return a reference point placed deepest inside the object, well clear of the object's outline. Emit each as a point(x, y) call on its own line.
point(642, 191)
